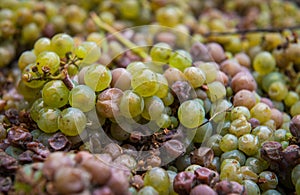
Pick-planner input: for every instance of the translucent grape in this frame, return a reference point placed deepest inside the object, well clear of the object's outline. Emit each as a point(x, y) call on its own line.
point(35, 108)
point(264, 63)
point(28, 74)
point(228, 142)
point(82, 97)
point(55, 94)
point(291, 98)
point(278, 91)
point(270, 78)
point(48, 119)
point(234, 154)
point(92, 52)
point(210, 69)
point(135, 67)
point(131, 104)
point(262, 112)
point(256, 165)
point(163, 87)
point(133, 6)
point(160, 52)
point(195, 76)
point(121, 79)
point(62, 44)
point(203, 132)
point(145, 83)
point(248, 144)
point(295, 174)
point(168, 16)
point(263, 133)
point(251, 187)
point(153, 108)
point(97, 77)
point(295, 109)
point(147, 190)
point(158, 178)
point(191, 114)
point(268, 180)
point(47, 61)
point(180, 59)
point(41, 45)
point(240, 126)
point(26, 58)
point(216, 91)
point(163, 121)
point(72, 121)
point(239, 111)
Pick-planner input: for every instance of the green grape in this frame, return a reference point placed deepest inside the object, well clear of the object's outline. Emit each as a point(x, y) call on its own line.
point(41, 45)
point(26, 58)
point(216, 91)
point(72, 121)
point(248, 173)
point(48, 119)
point(135, 67)
point(158, 178)
point(82, 97)
point(55, 94)
point(195, 76)
point(295, 174)
point(148, 190)
point(171, 175)
point(214, 143)
point(228, 142)
point(30, 33)
point(168, 16)
point(271, 192)
point(267, 180)
point(35, 108)
point(251, 187)
point(62, 44)
point(80, 52)
point(210, 69)
point(191, 114)
point(28, 74)
point(263, 133)
point(278, 91)
point(163, 87)
point(131, 104)
point(231, 171)
point(249, 144)
point(261, 112)
point(29, 94)
point(153, 108)
point(281, 135)
point(264, 63)
point(230, 162)
point(234, 154)
point(130, 9)
point(240, 112)
point(239, 127)
point(256, 165)
point(295, 109)
point(218, 110)
point(180, 59)
point(203, 132)
point(47, 61)
point(270, 78)
point(291, 98)
point(121, 79)
point(173, 75)
point(145, 83)
point(164, 121)
point(161, 52)
point(91, 54)
point(298, 186)
point(97, 77)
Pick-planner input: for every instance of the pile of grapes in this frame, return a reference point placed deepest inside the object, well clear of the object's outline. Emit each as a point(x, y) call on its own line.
point(149, 97)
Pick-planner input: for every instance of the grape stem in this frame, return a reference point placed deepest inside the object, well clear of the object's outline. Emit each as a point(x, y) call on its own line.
point(67, 80)
point(135, 48)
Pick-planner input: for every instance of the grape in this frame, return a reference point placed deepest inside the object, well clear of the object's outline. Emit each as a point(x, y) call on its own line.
point(26, 58)
point(41, 45)
point(72, 121)
point(228, 142)
point(91, 53)
point(163, 87)
point(29, 74)
point(210, 69)
point(47, 61)
point(271, 192)
point(180, 59)
point(263, 133)
point(48, 119)
point(295, 109)
point(216, 91)
point(129, 9)
point(158, 178)
point(147, 190)
point(195, 76)
point(298, 186)
point(62, 44)
point(163, 121)
point(35, 108)
point(191, 114)
point(121, 79)
point(55, 94)
point(244, 98)
point(160, 52)
point(145, 83)
point(82, 97)
point(231, 171)
point(234, 154)
point(264, 63)
point(97, 77)
point(295, 174)
point(153, 108)
point(248, 144)
point(256, 165)
point(168, 16)
point(278, 91)
point(267, 180)
point(291, 98)
point(262, 112)
point(30, 33)
point(203, 132)
point(135, 67)
point(131, 104)
point(29, 94)
point(251, 187)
